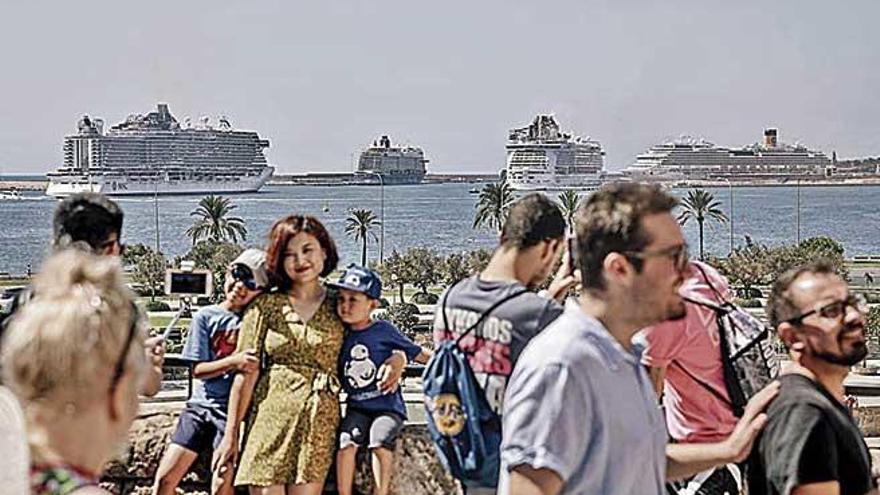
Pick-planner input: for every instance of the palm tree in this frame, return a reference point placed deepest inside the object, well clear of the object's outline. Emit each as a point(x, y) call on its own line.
point(360, 224)
point(701, 205)
point(495, 200)
point(569, 200)
point(214, 221)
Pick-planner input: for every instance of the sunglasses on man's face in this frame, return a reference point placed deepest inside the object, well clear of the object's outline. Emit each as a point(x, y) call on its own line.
point(678, 254)
point(835, 310)
point(243, 274)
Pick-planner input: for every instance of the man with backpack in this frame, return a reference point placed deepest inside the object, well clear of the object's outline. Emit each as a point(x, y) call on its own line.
point(683, 357)
point(812, 445)
point(580, 414)
point(493, 315)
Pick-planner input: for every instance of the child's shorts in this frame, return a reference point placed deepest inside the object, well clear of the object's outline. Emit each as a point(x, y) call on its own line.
point(375, 429)
point(200, 428)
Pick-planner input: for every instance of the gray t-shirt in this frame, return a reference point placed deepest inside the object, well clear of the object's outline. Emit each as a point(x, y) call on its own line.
point(581, 405)
point(497, 343)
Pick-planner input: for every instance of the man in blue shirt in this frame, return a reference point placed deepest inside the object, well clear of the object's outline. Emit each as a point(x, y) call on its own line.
point(580, 415)
point(210, 345)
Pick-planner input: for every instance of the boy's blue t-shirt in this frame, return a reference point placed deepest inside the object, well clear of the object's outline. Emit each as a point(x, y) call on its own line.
point(363, 352)
point(213, 334)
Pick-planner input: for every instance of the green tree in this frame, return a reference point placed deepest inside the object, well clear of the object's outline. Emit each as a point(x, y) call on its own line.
point(872, 329)
point(700, 205)
point(214, 256)
point(455, 268)
point(148, 267)
point(360, 224)
point(495, 200)
point(478, 259)
point(569, 200)
point(748, 265)
point(425, 268)
point(215, 222)
point(395, 270)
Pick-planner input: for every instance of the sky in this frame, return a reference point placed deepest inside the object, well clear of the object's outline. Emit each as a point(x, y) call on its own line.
point(322, 80)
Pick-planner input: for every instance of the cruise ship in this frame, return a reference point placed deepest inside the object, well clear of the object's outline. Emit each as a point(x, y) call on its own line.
point(688, 158)
point(395, 164)
point(541, 157)
point(154, 154)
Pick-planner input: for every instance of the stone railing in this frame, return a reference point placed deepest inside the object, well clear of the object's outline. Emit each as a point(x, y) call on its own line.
point(416, 467)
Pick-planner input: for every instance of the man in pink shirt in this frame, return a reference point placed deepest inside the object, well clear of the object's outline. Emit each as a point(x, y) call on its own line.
point(684, 361)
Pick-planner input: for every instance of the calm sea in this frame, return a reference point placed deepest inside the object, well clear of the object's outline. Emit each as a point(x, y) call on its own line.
point(440, 216)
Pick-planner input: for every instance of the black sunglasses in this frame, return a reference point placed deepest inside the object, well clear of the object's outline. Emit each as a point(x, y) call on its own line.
point(119, 369)
point(679, 255)
point(835, 310)
point(243, 273)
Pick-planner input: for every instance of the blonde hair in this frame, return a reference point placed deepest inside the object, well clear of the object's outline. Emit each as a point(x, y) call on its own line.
point(62, 347)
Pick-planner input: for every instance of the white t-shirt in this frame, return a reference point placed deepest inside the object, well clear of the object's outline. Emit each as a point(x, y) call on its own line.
point(13, 446)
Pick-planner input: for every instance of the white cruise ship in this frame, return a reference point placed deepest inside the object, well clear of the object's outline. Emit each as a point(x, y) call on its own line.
point(695, 159)
point(396, 164)
point(154, 154)
point(541, 157)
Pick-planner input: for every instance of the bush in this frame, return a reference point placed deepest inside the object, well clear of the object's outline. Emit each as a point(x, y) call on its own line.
point(424, 298)
point(403, 316)
point(749, 303)
point(157, 306)
point(872, 297)
point(383, 303)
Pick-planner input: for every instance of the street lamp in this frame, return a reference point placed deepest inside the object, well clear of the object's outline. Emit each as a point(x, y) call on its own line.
point(381, 211)
point(156, 210)
point(730, 193)
point(798, 214)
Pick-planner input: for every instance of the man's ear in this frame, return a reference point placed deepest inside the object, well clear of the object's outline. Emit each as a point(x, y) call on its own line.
point(789, 336)
point(616, 268)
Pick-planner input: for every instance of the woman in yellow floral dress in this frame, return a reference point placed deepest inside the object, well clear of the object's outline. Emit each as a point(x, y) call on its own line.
point(291, 405)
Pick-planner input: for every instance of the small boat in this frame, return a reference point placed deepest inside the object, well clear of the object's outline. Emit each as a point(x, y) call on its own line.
point(474, 190)
point(326, 208)
point(10, 194)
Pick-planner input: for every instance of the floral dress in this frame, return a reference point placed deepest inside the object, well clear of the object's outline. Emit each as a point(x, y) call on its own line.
point(291, 427)
point(58, 480)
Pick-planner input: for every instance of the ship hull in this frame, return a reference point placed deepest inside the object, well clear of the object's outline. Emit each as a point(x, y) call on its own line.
point(123, 186)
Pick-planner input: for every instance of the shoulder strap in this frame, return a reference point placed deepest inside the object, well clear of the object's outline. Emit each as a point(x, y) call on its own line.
point(482, 317)
point(703, 384)
point(721, 299)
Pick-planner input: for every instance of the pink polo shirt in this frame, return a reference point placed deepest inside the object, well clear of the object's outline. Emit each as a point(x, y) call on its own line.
point(693, 414)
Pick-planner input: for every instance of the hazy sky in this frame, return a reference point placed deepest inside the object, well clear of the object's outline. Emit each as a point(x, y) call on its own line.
point(322, 79)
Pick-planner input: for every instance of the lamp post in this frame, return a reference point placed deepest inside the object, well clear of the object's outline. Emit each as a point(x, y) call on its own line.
point(798, 212)
point(156, 210)
point(381, 211)
point(730, 193)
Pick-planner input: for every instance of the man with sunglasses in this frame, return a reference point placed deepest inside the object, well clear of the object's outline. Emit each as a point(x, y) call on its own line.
point(210, 345)
point(811, 444)
point(580, 414)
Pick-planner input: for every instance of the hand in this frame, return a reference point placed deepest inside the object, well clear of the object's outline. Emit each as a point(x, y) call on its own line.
point(390, 372)
point(225, 455)
point(565, 279)
point(155, 349)
point(246, 361)
point(739, 444)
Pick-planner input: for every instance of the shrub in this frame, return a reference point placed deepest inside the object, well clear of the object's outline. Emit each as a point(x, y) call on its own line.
point(403, 316)
point(383, 303)
point(749, 303)
point(157, 306)
point(424, 298)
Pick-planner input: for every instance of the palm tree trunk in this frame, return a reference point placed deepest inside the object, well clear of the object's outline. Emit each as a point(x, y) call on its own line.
point(701, 239)
point(401, 293)
point(364, 252)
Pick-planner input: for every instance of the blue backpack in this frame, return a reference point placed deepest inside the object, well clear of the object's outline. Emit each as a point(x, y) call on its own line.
point(465, 430)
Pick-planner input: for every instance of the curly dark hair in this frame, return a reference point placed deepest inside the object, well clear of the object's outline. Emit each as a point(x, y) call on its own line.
point(85, 218)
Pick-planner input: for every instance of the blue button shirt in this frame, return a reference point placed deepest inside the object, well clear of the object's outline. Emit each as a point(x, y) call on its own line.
point(580, 404)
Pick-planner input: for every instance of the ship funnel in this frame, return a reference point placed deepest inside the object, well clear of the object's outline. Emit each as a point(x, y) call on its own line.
point(770, 137)
point(384, 142)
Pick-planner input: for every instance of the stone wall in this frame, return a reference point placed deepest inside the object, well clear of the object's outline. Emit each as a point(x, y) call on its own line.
point(417, 469)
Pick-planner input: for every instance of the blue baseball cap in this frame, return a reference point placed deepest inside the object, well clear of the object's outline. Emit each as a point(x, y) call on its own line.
point(360, 279)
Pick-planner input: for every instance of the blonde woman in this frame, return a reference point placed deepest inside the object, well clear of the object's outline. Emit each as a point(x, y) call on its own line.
point(74, 358)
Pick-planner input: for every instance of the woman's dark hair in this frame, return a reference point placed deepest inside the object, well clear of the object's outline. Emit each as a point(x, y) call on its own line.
point(282, 232)
point(88, 218)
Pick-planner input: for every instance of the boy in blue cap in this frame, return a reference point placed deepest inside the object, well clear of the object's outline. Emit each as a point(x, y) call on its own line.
point(372, 418)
